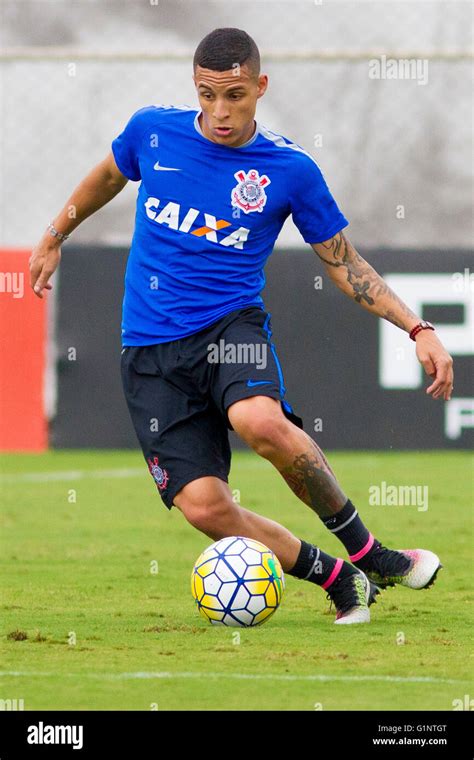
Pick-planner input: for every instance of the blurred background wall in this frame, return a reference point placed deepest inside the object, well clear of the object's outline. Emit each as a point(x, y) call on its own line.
point(73, 71)
point(396, 153)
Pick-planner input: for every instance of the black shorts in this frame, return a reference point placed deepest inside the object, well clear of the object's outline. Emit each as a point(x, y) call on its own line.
point(178, 394)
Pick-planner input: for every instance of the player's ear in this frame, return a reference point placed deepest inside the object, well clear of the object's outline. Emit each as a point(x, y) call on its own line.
point(262, 85)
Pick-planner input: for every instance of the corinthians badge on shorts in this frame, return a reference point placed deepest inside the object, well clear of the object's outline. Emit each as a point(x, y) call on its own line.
point(160, 476)
point(249, 193)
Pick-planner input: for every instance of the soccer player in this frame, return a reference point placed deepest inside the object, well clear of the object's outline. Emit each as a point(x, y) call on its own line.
point(215, 189)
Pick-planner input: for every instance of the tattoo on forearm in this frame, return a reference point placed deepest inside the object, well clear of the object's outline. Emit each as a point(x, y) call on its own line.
point(402, 309)
point(312, 480)
point(367, 285)
point(341, 254)
point(390, 317)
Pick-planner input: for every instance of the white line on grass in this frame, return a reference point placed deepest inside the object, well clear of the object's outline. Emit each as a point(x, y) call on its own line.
point(237, 676)
point(65, 475)
point(48, 477)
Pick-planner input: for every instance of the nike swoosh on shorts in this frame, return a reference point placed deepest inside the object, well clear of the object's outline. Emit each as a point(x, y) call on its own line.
point(251, 383)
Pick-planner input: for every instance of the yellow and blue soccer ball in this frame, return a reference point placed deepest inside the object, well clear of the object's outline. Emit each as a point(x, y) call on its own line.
point(237, 582)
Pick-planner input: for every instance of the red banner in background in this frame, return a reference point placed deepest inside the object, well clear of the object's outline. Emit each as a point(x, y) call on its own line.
point(23, 425)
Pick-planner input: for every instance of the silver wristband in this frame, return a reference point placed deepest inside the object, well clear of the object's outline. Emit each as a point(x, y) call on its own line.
point(53, 231)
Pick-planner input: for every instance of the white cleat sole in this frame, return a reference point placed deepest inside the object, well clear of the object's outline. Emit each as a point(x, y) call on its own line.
point(425, 567)
point(358, 614)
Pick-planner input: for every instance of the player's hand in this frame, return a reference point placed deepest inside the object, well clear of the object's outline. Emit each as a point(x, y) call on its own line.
point(436, 362)
point(43, 262)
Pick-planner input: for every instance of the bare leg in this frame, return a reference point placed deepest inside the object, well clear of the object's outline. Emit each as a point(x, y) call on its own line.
point(295, 455)
point(207, 504)
point(310, 477)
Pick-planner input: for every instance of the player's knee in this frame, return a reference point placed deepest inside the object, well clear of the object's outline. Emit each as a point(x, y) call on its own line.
point(211, 519)
point(211, 514)
point(263, 427)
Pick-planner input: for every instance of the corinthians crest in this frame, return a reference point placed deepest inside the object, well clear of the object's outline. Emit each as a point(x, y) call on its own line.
point(249, 193)
point(160, 476)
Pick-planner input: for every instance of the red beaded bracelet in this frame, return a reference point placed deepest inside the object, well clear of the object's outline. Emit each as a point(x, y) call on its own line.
point(423, 325)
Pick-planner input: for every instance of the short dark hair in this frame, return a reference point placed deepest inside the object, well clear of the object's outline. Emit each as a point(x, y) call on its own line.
point(223, 48)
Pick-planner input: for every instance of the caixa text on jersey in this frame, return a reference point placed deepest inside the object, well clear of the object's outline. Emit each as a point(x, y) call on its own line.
point(179, 220)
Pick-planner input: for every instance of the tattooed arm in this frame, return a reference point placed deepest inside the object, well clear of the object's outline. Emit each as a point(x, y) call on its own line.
point(357, 279)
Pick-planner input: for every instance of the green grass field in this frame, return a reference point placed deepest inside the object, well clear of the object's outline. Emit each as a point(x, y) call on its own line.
point(85, 624)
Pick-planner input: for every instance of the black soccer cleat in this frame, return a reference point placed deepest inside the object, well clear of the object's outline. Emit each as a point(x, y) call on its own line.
point(351, 595)
point(414, 568)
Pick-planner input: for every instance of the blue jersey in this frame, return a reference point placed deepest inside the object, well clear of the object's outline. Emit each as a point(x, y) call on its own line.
point(207, 218)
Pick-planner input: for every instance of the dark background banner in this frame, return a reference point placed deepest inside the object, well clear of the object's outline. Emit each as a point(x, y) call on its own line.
point(355, 385)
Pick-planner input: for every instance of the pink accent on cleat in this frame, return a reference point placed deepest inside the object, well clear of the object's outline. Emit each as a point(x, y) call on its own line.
point(363, 552)
point(334, 574)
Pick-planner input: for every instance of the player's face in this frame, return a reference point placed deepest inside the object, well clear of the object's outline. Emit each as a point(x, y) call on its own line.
point(228, 100)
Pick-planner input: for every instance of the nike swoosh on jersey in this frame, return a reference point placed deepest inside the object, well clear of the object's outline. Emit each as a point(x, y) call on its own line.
point(157, 167)
point(251, 383)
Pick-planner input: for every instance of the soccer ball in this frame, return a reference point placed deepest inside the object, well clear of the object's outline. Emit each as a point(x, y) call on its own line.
point(237, 582)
